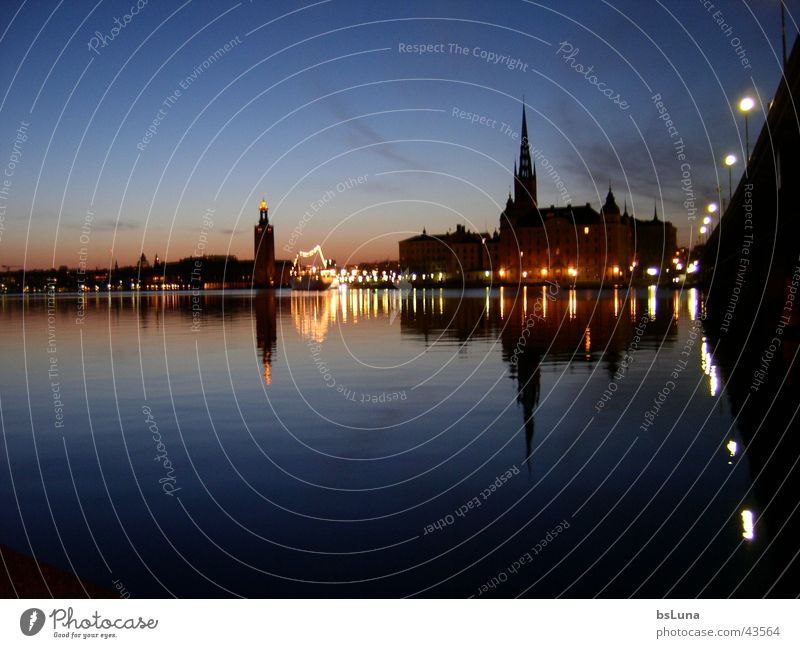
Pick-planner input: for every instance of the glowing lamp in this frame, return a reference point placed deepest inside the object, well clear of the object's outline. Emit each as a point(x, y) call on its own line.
point(748, 525)
point(747, 104)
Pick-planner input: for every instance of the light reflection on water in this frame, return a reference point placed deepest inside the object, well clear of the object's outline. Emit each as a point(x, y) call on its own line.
point(317, 436)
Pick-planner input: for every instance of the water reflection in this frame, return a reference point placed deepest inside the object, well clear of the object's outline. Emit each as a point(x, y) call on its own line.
point(265, 308)
point(765, 406)
point(535, 327)
point(583, 326)
point(486, 380)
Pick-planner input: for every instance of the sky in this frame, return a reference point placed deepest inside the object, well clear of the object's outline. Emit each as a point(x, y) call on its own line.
point(130, 126)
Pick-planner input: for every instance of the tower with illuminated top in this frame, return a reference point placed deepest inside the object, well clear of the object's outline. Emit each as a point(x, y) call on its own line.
point(263, 250)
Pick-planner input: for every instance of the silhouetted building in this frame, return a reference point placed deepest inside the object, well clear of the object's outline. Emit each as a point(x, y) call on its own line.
point(555, 243)
point(565, 243)
point(263, 249)
point(656, 245)
point(454, 254)
point(534, 244)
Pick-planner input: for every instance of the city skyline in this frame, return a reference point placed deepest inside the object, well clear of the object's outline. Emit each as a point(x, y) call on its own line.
point(320, 300)
point(142, 130)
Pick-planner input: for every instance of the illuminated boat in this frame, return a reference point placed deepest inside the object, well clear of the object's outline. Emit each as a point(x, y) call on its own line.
point(313, 277)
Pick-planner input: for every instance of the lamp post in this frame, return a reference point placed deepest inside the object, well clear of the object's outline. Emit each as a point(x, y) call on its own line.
point(730, 160)
point(711, 209)
point(783, 30)
point(746, 105)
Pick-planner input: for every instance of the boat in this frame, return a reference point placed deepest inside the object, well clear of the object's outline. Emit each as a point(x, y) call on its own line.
point(313, 277)
point(311, 281)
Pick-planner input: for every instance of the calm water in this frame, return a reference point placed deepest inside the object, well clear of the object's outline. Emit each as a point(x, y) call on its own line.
point(378, 443)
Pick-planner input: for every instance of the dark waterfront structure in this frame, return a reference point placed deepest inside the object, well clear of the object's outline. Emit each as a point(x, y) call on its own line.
point(751, 270)
point(263, 250)
point(656, 245)
point(534, 244)
point(207, 272)
point(569, 244)
point(455, 254)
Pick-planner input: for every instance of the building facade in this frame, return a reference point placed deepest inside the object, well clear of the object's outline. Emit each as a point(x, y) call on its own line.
point(571, 244)
point(459, 254)
point(560, 243)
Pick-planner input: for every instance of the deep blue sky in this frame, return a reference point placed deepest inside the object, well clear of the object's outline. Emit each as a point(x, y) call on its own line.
point(312, 94)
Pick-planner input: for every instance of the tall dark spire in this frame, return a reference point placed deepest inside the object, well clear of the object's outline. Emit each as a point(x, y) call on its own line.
point(525, 167)
point(525, 176)
point(655, 210)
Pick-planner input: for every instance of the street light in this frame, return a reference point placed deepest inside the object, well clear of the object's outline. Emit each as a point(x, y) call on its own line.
point(746, 105)
point(711, 209)
point(730, 160)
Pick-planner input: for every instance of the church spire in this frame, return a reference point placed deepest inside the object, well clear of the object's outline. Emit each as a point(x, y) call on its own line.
point(655, 210)
point(525, 177)
point(525, 170)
